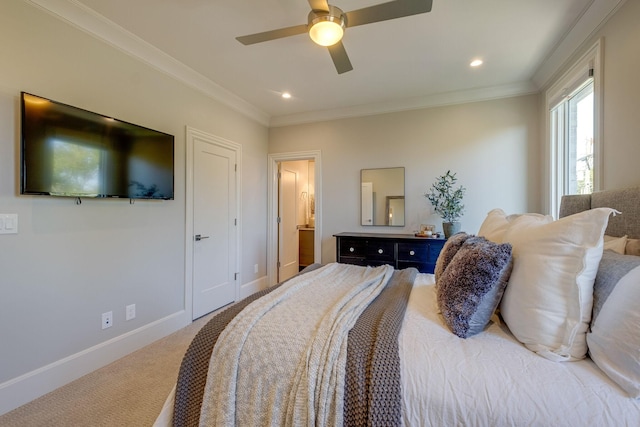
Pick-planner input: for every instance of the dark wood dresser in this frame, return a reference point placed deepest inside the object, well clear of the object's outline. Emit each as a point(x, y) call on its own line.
point(399, 250)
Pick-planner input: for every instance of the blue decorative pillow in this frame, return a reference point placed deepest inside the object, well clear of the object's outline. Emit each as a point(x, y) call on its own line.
point(472, 285)
point(450, 248)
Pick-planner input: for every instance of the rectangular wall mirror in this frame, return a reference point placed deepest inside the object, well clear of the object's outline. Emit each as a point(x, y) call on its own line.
point(382, 197)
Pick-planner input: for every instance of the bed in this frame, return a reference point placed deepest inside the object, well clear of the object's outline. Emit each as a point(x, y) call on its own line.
point(531, 322)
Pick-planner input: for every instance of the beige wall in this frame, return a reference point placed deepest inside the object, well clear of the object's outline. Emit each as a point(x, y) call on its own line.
point(492, 146)
point(621, 141)
point(497, 148)
point(68, 263)
point(621, 127)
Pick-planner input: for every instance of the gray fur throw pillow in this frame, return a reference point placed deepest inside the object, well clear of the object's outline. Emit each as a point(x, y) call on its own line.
point(472, 285)
point(447, 253)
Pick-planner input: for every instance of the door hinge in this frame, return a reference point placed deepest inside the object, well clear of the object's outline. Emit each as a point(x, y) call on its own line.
point(235, 221)
point(278, 264)
point(235, 276)
point(235, 167)
point(278, 220)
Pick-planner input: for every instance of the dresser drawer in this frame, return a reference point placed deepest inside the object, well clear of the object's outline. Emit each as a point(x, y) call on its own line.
point(356, 248)
point(381, 250)
point(435, 246)
point(413, 252)
point(355, 261)
point(422, 267)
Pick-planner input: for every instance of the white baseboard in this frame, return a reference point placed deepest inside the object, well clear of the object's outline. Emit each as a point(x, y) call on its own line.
point(29, 386)
point(253, 287)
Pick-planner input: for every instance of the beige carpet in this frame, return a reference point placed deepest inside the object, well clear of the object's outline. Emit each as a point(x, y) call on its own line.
point(128, 392)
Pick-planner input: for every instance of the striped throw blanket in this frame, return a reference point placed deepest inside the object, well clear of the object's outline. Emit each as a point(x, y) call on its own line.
point(269, 366)
point(326, 362)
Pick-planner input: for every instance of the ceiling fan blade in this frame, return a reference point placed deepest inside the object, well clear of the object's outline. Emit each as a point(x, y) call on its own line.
point(386, 11)
point(317, 5)
point(340, 58)
point(272, 35)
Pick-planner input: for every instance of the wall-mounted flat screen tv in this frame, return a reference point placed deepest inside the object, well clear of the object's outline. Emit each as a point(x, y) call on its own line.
point(68, 151)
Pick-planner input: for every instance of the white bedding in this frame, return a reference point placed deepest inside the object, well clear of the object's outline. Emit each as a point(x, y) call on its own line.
point(492, 380)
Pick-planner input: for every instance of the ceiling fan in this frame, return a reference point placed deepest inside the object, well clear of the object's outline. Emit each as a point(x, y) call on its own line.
point(326, 25)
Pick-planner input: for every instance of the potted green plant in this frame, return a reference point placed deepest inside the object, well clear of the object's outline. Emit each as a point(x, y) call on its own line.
point(447, 202)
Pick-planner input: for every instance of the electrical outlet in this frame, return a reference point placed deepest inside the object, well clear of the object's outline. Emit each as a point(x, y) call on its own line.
point(131, 312)
point(107, 319)
point(255, 268)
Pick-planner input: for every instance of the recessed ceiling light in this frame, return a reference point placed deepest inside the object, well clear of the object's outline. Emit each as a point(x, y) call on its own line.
point(476, 62)
point(286, 95)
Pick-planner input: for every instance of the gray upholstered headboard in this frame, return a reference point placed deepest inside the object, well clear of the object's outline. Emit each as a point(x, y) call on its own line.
point(625, 200)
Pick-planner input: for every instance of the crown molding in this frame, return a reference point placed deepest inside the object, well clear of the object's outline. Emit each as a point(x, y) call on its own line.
point(581, 32)
point(416, 103)
point(87, 20)
point(593, 18)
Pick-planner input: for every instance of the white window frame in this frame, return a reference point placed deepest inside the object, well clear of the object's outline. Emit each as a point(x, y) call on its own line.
point(559, 91)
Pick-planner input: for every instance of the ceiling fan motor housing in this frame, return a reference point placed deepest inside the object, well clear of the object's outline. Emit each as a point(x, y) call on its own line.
point(335, 16)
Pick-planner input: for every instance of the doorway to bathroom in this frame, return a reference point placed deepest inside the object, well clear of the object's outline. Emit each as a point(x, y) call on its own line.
point(294, 216)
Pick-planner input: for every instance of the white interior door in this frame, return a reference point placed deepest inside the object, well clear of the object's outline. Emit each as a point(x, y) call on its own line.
point(214, 222)
point(288, 227)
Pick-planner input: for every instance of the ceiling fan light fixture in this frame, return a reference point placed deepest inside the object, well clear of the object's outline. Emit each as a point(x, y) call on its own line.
point(327, 28)
point(326, 25)
point(326, 33)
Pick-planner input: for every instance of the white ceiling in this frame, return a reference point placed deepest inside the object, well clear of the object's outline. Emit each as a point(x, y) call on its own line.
point(405, 63)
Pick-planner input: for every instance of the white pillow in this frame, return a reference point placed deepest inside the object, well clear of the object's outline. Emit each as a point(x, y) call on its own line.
point(614, 341)
point(547, 303)
point(497, 222)
point(616, 244)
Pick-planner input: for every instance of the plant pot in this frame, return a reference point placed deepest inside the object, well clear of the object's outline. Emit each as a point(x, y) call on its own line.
point(450, 228)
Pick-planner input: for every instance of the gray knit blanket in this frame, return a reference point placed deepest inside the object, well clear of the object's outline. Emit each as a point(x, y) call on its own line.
point(331, 381)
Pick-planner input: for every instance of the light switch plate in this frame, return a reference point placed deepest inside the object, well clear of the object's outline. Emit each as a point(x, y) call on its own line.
point(8, 223)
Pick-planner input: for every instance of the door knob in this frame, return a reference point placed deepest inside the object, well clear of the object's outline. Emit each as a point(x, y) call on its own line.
point(200, 237)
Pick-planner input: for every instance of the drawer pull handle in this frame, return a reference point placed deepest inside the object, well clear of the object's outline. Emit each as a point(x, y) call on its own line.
point(380, 251)
point(412, 252)
point(351, 249)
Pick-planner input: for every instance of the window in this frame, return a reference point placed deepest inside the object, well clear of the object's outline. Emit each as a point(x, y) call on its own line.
point(573, 119)
point(574, 126)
